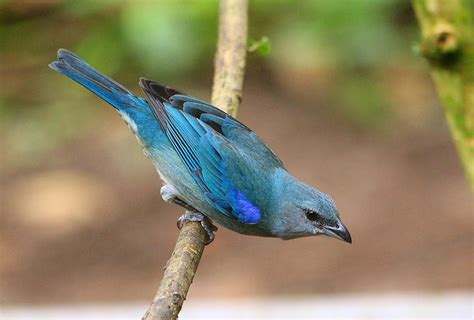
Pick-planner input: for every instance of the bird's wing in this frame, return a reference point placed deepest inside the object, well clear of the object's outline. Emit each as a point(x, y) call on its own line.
point(195, 130)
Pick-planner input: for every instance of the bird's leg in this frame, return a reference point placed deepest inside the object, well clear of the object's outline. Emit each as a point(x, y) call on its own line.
point(170, 195)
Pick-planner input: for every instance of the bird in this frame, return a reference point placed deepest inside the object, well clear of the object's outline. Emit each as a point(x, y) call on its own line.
point(212, 164)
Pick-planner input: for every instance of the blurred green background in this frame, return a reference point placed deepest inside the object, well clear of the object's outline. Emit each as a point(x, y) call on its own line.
point(342, 97)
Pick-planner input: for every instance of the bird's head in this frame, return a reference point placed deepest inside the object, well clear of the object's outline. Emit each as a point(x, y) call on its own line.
point(306, 211)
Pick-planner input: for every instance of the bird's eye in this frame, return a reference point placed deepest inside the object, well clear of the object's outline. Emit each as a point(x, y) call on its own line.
point(312, 215)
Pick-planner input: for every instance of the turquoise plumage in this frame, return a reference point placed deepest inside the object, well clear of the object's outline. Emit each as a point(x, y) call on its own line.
point(211, 163)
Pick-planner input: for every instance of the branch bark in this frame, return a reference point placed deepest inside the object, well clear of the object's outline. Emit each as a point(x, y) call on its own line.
point(448, 44)
point(226, 94)
point(230, 56)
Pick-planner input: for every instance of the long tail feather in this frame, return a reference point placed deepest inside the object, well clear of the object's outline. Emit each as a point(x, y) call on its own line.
point(114, 93)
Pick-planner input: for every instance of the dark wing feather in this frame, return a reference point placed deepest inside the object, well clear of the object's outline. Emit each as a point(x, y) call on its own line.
point(195, 132)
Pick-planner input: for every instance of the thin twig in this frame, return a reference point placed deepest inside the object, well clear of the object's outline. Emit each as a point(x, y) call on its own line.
point(226, 94)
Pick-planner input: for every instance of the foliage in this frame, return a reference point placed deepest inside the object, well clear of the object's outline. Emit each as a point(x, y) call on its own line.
point(348, 45)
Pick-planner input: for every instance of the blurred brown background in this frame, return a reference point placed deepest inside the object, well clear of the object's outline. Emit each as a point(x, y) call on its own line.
point(342, 97)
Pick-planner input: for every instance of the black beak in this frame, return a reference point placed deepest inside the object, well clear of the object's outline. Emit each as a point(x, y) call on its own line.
point(339, 232)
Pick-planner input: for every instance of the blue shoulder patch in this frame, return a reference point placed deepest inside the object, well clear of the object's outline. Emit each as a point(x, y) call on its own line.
point(243, 209)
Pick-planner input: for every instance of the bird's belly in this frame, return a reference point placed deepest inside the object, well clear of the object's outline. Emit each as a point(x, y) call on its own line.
point(247, 229)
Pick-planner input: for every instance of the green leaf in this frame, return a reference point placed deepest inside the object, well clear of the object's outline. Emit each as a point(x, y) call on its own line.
point(262, 47)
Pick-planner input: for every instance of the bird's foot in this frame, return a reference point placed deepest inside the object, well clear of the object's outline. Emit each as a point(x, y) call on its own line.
point(170, 195)
point(206, 223)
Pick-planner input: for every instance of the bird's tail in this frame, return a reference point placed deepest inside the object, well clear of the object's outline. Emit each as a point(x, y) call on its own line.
point(114, 93)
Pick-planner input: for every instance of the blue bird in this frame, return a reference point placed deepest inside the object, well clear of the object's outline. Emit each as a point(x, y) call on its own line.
point(212, 164)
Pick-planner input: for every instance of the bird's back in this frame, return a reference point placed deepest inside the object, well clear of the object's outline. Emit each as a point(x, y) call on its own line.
point(239, 196)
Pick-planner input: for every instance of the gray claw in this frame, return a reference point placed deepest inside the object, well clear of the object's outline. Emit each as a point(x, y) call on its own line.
point(206, 223)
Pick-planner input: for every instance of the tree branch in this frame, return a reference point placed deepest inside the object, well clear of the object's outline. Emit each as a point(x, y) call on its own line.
point(226, 94)
point(230, 56)
point(448, 44)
